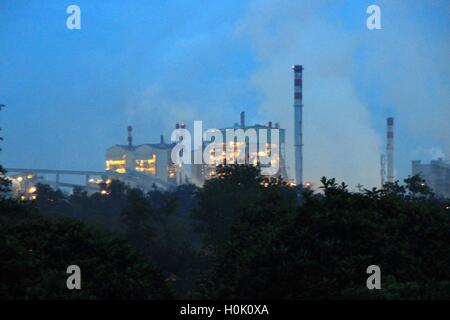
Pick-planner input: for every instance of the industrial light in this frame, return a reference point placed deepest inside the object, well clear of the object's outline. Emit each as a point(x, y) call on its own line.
point(32, 190)
point(20, 179)
point(30, 176)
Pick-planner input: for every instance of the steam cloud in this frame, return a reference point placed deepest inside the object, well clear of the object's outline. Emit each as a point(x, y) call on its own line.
point(405, 62)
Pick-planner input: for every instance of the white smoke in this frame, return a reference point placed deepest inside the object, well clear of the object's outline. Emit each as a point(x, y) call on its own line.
point(427, 154)
point(339, 140)
point(405, 64)
point(409, 62)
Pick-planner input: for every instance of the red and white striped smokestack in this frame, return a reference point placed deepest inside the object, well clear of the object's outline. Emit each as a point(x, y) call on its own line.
point(298, 126)
point(130, 136)
point(390, 150)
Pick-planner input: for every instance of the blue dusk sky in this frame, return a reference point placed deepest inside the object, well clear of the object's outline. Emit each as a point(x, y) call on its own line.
point(70, 94)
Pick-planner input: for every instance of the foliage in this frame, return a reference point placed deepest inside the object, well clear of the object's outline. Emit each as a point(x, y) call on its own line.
point(155, 227)
point(36, 252)
point(5, 184)
point(321, 249)
point(240, 236)
point(225, 198)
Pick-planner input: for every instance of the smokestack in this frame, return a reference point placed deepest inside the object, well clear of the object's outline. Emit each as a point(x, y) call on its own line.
point(242, 119)
point(298, 126)
point(177, 126)
point(270, 124)
point(390, 150)
point(130, 136)
point(383, 169)
point(162, 139)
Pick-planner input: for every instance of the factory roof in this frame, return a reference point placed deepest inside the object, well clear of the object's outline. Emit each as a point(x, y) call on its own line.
point(255, 126)
point(439, 161)
point(159, 145)
point(153, 145)
point(123, 146)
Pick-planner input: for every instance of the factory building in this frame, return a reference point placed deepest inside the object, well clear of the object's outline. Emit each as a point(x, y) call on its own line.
point(143, 165)
point(436, 175)
point(253, 153)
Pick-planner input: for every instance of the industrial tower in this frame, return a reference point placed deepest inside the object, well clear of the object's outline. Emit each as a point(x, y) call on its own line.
point(390, 150)
point(298, 126)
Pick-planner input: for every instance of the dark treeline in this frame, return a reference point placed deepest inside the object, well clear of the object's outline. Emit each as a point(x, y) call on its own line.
point(240, 236)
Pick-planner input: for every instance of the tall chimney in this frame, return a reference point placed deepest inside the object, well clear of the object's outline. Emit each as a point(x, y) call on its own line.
point(298, 126)
point(130, 136)
point(242, 119)
point(162, 139)
point(390, 149)
point(383, 169)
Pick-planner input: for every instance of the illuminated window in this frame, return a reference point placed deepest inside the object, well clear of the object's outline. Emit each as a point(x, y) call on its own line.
point(147, 165)
point(116, 165)
point(171, 172)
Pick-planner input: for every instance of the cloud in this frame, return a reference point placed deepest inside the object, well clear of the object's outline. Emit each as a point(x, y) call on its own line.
point(151, 108)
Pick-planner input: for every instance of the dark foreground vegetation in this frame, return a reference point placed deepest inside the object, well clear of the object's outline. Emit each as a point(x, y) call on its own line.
point(240, 236)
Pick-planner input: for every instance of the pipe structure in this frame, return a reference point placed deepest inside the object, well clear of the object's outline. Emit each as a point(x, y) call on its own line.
point(130, 136)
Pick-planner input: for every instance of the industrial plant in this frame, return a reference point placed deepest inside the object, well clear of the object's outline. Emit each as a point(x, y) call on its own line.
point(150, 165)
point(250, 152)
point(143, 165)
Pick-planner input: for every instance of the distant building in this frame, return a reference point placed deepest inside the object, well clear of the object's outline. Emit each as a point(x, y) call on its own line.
point(143, 165)
point(436, 175)
point(202, 172)
point(151, 164)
